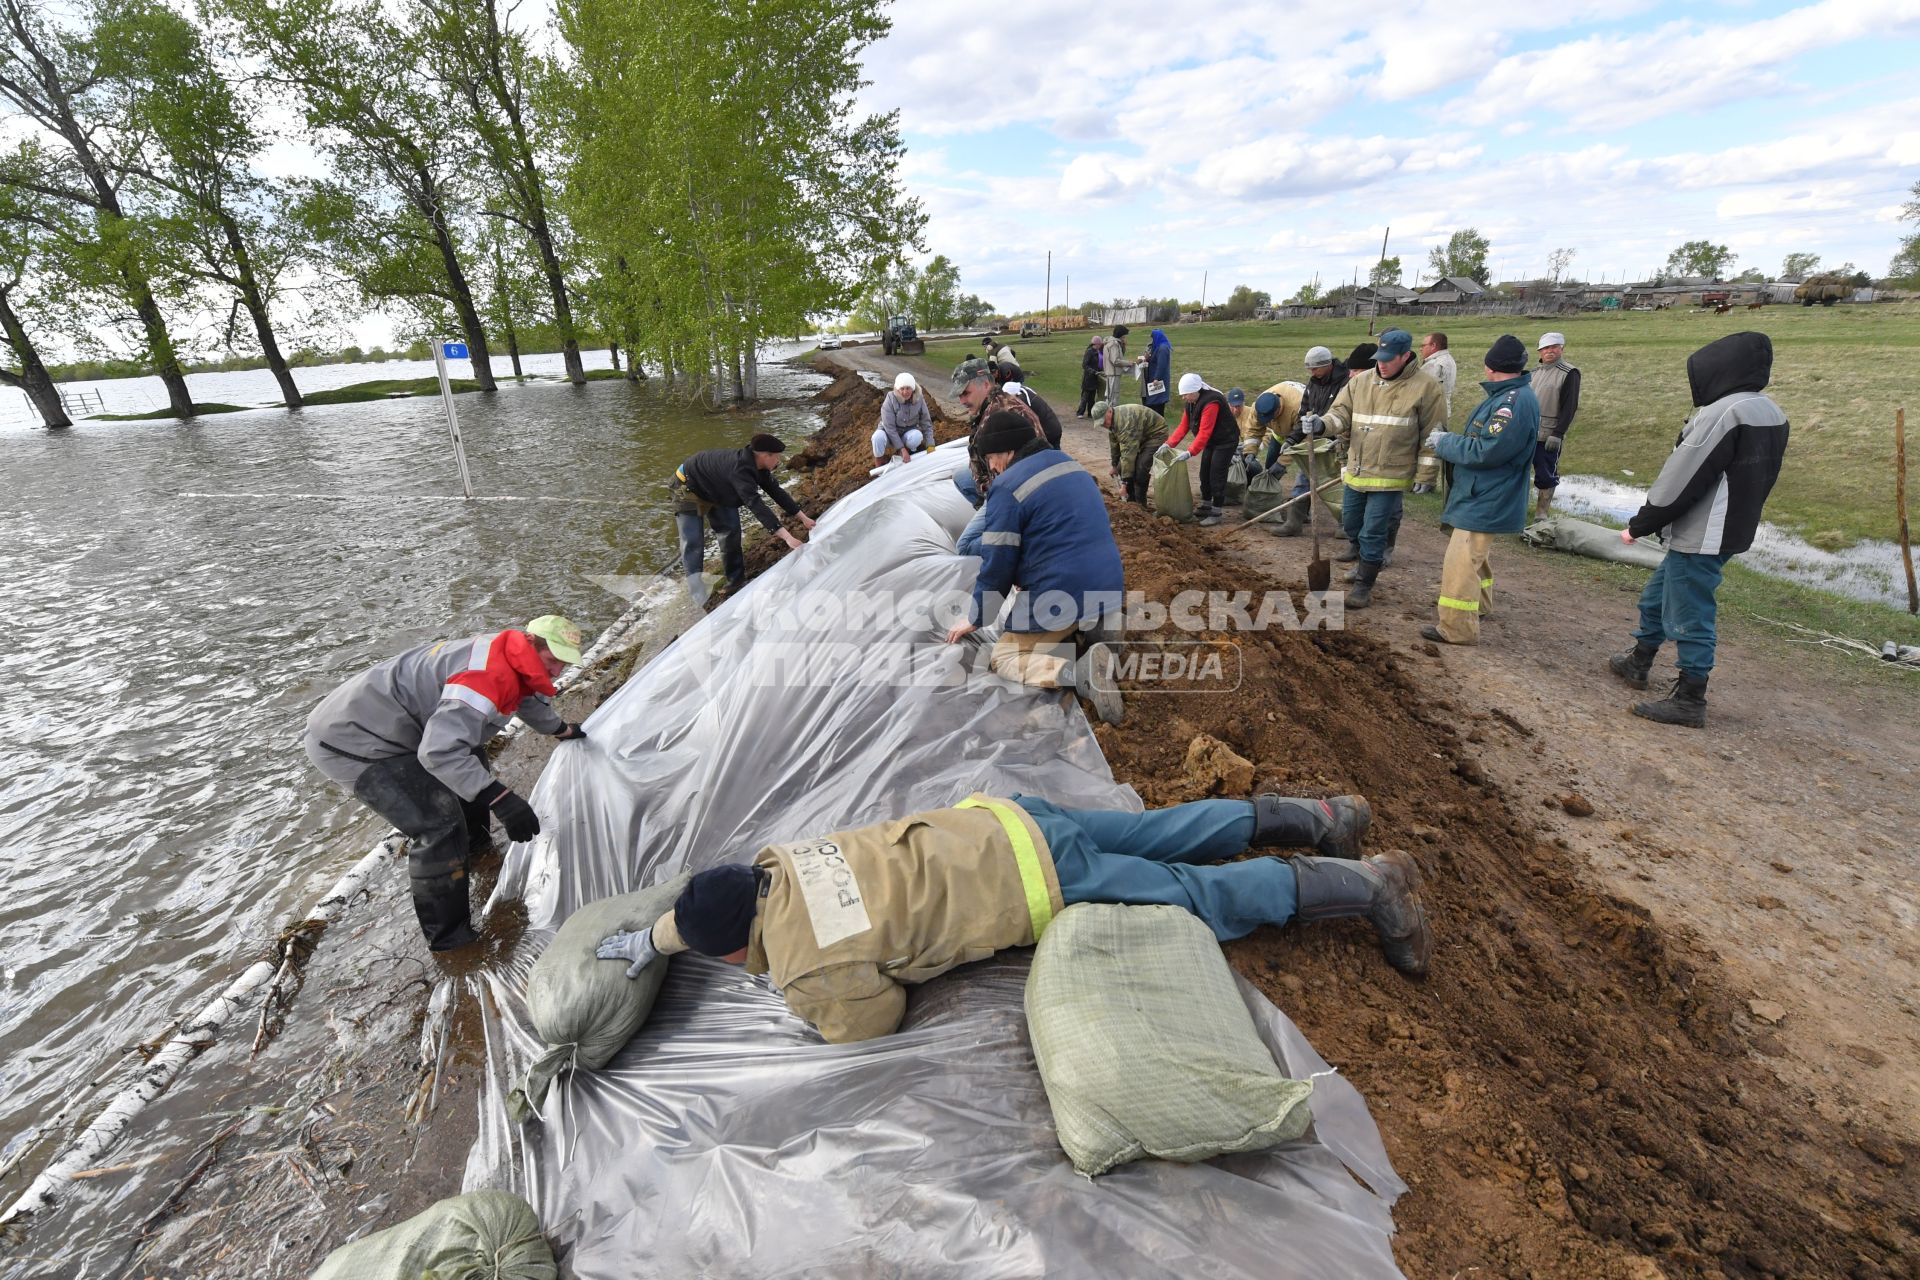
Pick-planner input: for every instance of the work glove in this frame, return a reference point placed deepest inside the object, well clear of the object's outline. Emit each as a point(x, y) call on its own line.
point(1553, 444)
point(1422, 487)
point(1435, 438)
point(516, 815)
point(1313, 424)
point(636, 947)
point(1181, 455)
point(570, 732)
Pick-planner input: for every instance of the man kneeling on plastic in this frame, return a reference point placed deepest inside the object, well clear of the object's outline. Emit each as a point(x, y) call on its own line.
point(844, 923)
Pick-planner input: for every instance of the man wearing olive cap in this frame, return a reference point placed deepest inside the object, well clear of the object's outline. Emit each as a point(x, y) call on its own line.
point(407, 738)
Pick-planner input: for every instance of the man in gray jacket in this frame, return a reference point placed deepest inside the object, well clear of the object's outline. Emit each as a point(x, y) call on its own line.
point(1557, 383)
point(1707, 499)
point(407, 738)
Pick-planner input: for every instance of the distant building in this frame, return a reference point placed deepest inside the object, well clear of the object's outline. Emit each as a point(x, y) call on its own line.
point(1452, 289)
point(1387, 295)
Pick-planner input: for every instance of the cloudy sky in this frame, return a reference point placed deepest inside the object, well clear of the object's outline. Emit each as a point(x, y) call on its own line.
point(1147, 143)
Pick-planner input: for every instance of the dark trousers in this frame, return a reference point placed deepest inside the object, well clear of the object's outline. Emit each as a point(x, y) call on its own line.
point(1214, 464)
point(1089, 392)
point(435, 822)
point(1142, 473)
point(724, 521)
point(1368, 516)
point(1679, 605)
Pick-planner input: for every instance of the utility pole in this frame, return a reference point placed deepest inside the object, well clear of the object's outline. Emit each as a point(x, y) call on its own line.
point(1375, 313)
point(1048, 308)
point(1203, 294)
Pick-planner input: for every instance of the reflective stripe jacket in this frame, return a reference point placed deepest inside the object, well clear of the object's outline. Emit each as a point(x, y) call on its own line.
point(1385, 423)
point(1290, 395)
point(1492, 460)
point(847, 921)
point(1047, 532)
point(442, 702)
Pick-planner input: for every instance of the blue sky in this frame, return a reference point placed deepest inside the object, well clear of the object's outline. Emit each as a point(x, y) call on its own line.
point(1146, 143)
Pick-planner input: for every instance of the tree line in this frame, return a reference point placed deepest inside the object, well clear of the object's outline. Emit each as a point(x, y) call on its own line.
point(684, 180)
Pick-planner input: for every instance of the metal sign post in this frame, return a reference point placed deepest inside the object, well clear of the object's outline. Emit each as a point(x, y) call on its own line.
point(443, 352)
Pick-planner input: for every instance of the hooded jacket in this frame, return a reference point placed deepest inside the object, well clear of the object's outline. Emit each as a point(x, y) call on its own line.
point(1318, 394)
point(1709, 494)
point(1159, 370)
point(442, 702)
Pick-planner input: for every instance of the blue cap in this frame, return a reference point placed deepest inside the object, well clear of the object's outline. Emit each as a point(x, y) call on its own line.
point(1266, 406)
point(1236, 397)
point(1394, 343)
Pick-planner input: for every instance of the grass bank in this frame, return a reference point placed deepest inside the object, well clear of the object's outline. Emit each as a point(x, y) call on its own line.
point(155, 415)
point(1838, 371)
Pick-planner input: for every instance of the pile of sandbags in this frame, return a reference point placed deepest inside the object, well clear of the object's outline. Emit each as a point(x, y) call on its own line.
point(585, 1008)
point(1145, 1045)
point(487, 1235)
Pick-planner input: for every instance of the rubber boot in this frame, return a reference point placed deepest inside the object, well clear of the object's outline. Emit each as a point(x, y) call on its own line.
point(1360, 595)
point(1334, 826)
point(440, 904)
point(479, 827)
point(1207, 515)
point(1349, 554)
point(1685, 704)
point(1383, 889)
point(1293, 522)
point(1634, 665)
point(1092, 677)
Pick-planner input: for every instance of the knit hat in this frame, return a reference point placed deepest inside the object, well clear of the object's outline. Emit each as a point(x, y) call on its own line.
point(1004, 431)
point(1394, 343)
point(1506, 355)
point(764, 443)
point(714, 913)
point(903, 380)
point(1100, 408)
point(1266, 406)
point(1121, 331)
point(1318, 357)
point(1362, 356)
point(1236, 398)
point(1190, 383)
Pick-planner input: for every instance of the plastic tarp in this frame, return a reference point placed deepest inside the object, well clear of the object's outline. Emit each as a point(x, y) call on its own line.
point(727, 1139)
point(1584, 538)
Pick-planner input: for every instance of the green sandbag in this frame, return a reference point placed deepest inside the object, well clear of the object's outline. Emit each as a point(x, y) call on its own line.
point(585, 1008)
point(1145, 1045)
point(487, 1235)
point(1584, 538)
point(1265, 492)
point(1168, 486)
point(1236, 480)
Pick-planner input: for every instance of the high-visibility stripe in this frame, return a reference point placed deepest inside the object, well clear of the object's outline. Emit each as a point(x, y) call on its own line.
point(1000, 539)
point(1374, 482)
point(477, 658)
point(1384, 419)
point(472, 697)
point(1469, 606)
point(1034, 481)
point(1032, 878)
point(1486, 582)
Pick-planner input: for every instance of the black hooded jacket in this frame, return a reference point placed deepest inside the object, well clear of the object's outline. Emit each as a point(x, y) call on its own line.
point(1709, 495)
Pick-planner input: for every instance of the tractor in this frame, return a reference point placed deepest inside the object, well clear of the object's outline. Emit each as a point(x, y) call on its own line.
point(901, 338)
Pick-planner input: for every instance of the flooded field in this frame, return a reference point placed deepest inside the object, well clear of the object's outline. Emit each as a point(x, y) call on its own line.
point(172, 628)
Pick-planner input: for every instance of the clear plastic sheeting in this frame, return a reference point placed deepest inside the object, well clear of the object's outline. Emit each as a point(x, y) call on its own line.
point(727, 1139)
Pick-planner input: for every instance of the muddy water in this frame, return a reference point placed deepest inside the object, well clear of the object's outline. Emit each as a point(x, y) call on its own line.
point(158, 822)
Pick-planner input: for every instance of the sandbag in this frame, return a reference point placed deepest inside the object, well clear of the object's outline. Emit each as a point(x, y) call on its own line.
point(1236, 480)
point(1145, 1045)
point(1168, 487)
point(1584, 538)
point(585, 1008)
point(1265, 491)
point(486, 1235)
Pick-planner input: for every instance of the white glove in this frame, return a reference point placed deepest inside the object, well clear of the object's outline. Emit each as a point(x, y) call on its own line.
point(1312, 424)
point(1181, 455)
point(1436, 438)
point(636, 947)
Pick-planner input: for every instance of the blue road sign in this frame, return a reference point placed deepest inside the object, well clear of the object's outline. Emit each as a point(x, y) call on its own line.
point(454, 350)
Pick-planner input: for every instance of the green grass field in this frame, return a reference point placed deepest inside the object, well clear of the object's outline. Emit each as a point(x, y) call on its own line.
point(156, 415)
point(1839, 372)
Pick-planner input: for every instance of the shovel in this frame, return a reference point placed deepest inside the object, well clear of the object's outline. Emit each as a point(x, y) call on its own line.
point(1319, 572)
point(1274, 511)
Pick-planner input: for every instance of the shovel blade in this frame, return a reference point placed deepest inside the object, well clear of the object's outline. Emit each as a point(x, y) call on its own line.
point(1319, 575)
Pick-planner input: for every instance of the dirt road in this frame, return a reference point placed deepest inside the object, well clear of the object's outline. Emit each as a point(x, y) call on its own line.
point(1684, 1021)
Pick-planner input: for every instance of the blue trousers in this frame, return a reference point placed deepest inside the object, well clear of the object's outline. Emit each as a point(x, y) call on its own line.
point(1678, 605)
point(1143, 859)
point(1369, 517)
point(693, 549)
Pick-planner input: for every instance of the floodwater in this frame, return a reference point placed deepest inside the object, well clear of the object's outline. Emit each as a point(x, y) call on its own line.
point(158, 820)
point(1869, 570)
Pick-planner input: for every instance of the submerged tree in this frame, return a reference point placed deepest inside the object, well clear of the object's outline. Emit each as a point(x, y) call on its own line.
point(54, 77)
point(31, 233)
point(715, 156)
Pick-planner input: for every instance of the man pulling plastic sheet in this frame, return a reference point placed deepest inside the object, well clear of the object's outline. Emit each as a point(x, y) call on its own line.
point(844, 923)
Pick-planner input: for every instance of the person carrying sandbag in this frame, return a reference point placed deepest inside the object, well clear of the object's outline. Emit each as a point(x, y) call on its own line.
point(844, 923)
